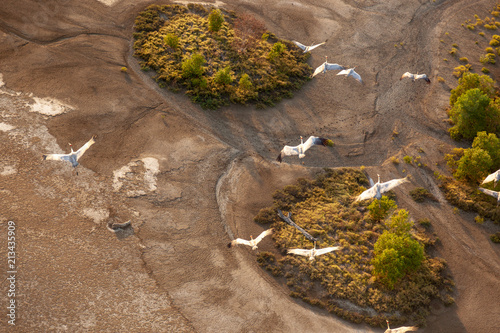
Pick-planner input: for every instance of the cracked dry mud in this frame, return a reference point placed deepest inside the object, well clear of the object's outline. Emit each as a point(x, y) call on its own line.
point(190, 180)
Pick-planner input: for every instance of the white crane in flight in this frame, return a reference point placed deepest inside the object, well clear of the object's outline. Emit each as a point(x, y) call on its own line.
point(376, 190)
point(308, 48)
point(73, 156)
point(351, 72)
point(301, 149)
point(495, 177)
point(414, 77)
point(252, 242)
point(326, 66)
point(312, 253)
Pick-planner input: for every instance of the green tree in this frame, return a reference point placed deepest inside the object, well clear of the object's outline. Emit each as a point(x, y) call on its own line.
point(473, 165)
point(379, 209)
point(192, 67)
point(215, 20)
point(395, 256)
point(490, 143)
point(471, 114)
point(470, 81)
point(277, 49)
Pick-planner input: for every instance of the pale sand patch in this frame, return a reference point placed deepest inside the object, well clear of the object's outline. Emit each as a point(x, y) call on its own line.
point(108, 2)
point(6, 127)
point(8, 170)
point(49, 106)
point(1, 80)
point(97, 215)
point(137, 177)
point(215, 4)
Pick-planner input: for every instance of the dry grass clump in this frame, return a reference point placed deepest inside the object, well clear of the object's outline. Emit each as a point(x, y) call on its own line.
point(421, 194)
point(343, 282)
point(469, 199)
point(217, 57)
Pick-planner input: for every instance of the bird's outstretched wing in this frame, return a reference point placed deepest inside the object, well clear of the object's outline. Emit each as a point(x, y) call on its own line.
point(84, 148)
point(403, 329)
point(263, 234)
point(302, 46)
point(332, 67)
point(489, 192)
point(319, 69)
point(239, 241)
point(407, 74)
point(350, 72)
point(314, 140)
point(56, 157)
point(300, 252)
point(327, 249)
point(312, 47)
point(287, 151)
point(368, 194)
point(387, 186)
point(422, 77)
point(492, 177)
point(371, 181)
point(356, 76)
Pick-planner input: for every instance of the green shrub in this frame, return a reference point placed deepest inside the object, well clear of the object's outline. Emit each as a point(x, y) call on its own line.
point(399, 223)
point(495, 238)
point(192, 67)
point(408, 159)
point(489, 50)
point(276, 51)
point(490, 143)
point(485, 70)
point(215, 20)
point(171, 40)
point(453, 51)
point(464, 59)
point(379, 209)
point(488, 58)
point(460, 70)
point(223, 76)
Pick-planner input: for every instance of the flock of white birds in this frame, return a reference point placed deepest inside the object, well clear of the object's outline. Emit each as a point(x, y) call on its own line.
point(375, 191)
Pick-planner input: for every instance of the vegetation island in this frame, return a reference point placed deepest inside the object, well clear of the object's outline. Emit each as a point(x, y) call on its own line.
point(217, 57)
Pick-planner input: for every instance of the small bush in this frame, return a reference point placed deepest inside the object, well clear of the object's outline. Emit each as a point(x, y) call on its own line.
point(471, 26)
point(485, 70)
point(215, 20)
point(495, 238)
point(464, 59)
point(379, 209)
point(419, 194)
point(394, 160)
point(453, 51)
point(489, 50)
point(460, 70)
point(494, 42)
point(172, 41)
point(479, 219)
point(124, 69)
point(408, 159)
point(440, 79)
point(193, 66)
point(425, 222)
point(224, 76)
point(488, 58)
point(481, 34)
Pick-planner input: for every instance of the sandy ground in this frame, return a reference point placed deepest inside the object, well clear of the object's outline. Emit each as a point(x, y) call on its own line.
point(190, 180)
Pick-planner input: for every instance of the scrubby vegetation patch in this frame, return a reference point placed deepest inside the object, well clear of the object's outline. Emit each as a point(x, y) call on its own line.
point(217, 57)
point(382, 270)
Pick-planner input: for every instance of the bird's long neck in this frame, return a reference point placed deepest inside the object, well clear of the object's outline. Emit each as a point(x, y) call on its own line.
point(71, 147)
point(388, 325)
point(378, 179)
point(301, 141)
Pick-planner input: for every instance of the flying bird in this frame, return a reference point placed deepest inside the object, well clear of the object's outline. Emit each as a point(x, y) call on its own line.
point(308, 48)
point(252, 242)
point(400, 329)
point(414, 77)
point(494, 194)
point(73, 156)
point(311, 253)
point(301, 149)
point(376, 190)
point(495, 177)
point(350, 72)
point(326, 66)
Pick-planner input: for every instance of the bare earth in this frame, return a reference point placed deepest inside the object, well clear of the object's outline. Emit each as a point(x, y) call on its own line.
point(190, 180)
